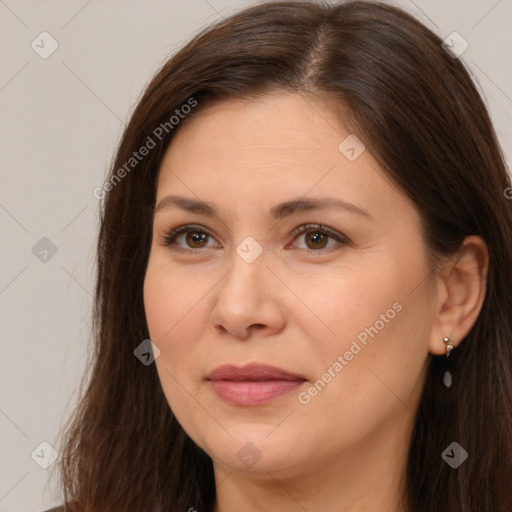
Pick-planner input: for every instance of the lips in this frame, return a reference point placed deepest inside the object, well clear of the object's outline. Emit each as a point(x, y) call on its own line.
point(253, 384)
point(252, 372)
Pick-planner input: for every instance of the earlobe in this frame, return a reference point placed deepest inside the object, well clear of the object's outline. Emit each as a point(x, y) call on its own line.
point(461, 293)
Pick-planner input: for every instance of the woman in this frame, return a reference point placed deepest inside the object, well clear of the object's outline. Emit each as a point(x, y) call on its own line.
point(304, 272)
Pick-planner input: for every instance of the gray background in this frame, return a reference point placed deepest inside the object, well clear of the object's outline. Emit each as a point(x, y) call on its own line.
point(61, 121)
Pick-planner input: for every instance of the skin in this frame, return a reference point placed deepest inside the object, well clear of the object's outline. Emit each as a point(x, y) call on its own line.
point(346, 448)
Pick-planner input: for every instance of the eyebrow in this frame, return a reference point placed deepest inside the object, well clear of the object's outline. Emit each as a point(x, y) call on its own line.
point(277, 212)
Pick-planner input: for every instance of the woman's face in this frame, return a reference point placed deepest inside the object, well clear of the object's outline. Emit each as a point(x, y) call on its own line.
point(345, 309)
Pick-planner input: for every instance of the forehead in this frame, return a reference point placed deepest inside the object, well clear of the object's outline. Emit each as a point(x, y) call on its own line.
point(278, 147)
point(279, 121)
point(275, 136)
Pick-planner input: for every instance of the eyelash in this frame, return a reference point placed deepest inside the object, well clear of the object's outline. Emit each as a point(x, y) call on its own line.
point(169, 239)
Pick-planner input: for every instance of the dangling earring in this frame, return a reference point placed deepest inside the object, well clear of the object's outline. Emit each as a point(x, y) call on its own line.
point(447, 377)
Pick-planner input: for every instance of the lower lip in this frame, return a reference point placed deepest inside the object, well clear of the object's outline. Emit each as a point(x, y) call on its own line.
point(253, 393)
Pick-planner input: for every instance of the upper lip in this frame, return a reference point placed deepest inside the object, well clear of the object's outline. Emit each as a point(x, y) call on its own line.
point(252, 372)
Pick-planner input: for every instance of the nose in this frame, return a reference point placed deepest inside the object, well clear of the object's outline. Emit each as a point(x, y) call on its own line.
point(247, 300)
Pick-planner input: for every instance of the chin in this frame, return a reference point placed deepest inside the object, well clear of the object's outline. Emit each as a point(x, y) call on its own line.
point(255, 448)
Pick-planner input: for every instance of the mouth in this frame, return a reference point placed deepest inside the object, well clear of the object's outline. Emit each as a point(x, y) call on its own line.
point(253, 384)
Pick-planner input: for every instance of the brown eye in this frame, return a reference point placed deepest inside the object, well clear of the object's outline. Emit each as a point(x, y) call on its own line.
point(316, 238)
point(194, 238)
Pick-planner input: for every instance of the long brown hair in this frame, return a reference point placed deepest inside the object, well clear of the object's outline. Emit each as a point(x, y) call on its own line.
point(417, 110)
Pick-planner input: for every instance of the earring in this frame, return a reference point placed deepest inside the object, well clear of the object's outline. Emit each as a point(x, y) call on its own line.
point(447, 377)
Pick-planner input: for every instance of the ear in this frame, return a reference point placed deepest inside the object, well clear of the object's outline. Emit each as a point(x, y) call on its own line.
point(461, 285)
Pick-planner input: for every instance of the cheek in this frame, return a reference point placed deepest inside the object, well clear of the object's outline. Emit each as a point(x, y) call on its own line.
point(169, 297)
point(176, 314)
point(379, 329)
point(346, 305)
point(168, 301)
